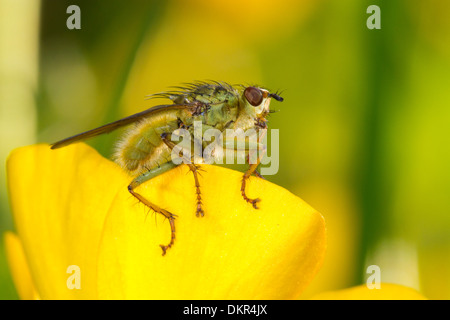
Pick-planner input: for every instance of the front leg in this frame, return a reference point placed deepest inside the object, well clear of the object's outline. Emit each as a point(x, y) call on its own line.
point(251, 147)
point(247, 174)
point(258, 174)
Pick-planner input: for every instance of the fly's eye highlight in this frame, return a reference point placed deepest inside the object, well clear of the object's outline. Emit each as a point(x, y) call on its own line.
point(253, 95)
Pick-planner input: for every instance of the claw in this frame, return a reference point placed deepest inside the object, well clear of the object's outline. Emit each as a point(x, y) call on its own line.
point(200, 212)
point(164, 249)
point(254, 202)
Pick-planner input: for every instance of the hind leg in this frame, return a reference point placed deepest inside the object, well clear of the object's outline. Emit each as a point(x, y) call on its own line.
point(145, 177)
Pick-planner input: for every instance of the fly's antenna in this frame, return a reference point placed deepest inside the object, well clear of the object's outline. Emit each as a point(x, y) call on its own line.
point(276, 97)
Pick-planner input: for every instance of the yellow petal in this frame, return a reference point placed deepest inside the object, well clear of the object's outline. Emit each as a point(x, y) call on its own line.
point(19, 268)
point(59, 203)
point(234, 252)
point(72, 207)
point(386, 292)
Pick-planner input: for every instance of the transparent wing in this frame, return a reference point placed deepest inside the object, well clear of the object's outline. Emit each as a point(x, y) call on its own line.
point(117, 124)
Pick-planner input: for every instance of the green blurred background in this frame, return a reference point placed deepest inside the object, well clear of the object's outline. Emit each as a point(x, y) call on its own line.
point(364, 128)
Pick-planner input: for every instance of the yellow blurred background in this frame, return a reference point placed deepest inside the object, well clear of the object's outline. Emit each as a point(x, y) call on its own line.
point(364, 127)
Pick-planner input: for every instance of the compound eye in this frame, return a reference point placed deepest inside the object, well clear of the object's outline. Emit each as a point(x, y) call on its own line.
point(253, 95)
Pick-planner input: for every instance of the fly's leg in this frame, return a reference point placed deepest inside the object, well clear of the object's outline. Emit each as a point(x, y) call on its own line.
point(256, 172)
point(145, 177)
point(250, 146)
point(247, 174)
point(252, 151)
point(194, 168)
point(259, 175)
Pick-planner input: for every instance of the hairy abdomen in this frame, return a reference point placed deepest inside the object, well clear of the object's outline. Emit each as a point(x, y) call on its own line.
point(141, 147)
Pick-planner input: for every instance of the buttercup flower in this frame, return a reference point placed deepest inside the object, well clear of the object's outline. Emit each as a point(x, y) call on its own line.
point(81, 235)
point(72, 211)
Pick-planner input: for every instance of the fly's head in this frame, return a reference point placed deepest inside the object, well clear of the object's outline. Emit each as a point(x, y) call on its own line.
point(259, 100)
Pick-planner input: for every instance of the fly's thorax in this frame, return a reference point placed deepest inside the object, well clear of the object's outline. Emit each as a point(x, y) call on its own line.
point(221, 115)
point(215, 94)
point(217, 115)
point(207, 93)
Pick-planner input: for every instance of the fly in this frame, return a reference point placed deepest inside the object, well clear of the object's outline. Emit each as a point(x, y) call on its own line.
point(145, 149)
